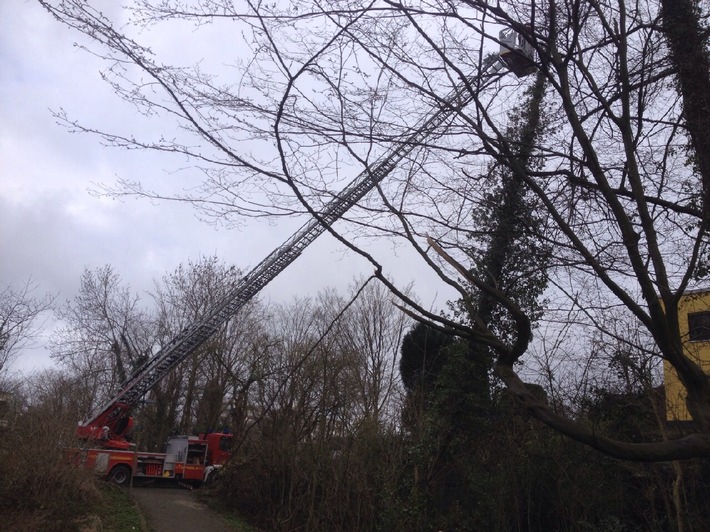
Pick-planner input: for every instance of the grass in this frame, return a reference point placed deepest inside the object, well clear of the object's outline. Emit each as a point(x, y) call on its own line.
point(235, 521)
point(116, 510)
point(112, 510)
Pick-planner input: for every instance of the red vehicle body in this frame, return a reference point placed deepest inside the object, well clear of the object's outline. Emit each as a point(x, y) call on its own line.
point(187, 459)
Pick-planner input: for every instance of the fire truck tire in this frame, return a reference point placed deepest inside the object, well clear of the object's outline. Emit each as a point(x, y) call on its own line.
point(120, 475)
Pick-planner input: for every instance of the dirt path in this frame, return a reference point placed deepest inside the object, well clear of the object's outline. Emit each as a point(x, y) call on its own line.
point(177, 510)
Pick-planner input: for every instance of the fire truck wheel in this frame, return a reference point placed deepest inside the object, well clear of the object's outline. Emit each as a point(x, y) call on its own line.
point(120, 475)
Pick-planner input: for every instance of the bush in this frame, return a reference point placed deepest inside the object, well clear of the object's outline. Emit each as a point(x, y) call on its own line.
point(39, 489)
point(328, 484)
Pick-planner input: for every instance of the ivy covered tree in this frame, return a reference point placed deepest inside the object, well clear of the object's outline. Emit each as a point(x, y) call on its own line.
point(422, 356)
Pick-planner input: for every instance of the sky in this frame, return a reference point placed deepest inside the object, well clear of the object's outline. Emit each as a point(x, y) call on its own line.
point(52, 227)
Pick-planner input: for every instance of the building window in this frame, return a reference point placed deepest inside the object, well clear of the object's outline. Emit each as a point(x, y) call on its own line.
point(699, 327)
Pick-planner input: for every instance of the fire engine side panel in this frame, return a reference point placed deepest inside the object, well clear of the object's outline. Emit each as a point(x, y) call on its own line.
point(193, 472)
point(101, 464)
point(116, 458)
point(102, 461)
point(152, 465)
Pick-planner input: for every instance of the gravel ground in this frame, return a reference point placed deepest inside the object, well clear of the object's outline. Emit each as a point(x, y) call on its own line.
point(177, 510)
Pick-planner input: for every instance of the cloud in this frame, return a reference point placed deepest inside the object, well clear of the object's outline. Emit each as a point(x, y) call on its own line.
point(51, 228)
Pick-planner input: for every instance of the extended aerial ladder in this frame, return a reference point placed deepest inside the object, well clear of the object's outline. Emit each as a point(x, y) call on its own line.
point(108, 424)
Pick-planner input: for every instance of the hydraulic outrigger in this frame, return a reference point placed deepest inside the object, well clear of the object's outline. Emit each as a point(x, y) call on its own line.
point(108, 424)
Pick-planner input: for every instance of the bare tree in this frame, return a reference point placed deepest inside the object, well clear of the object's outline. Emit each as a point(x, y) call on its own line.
point(19, 320)
point(214, 374)
point(618, 170)
point(106, 333)
point(372, 331)
point(318, 409)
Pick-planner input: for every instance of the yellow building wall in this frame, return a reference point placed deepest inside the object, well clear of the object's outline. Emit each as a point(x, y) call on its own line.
point(698, 351)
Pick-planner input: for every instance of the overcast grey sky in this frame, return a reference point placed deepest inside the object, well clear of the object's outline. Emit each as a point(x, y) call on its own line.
point(51, 227)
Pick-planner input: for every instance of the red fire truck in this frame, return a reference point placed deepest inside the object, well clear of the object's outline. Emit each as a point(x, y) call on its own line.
point(190, 460)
